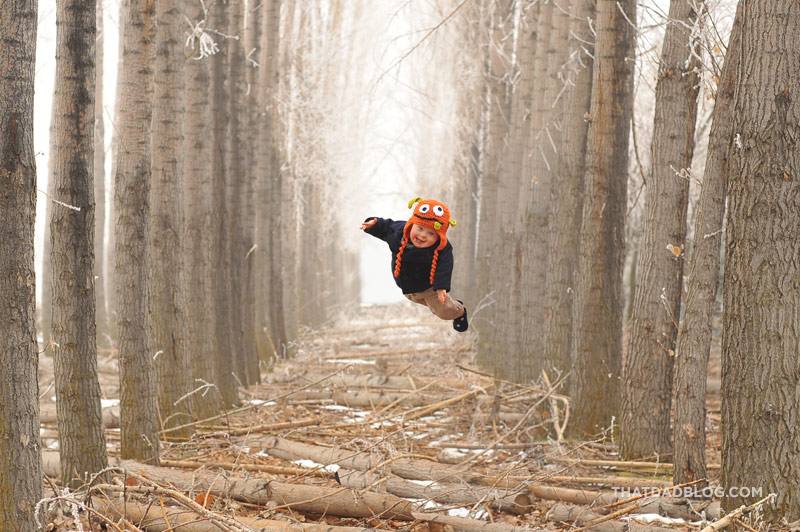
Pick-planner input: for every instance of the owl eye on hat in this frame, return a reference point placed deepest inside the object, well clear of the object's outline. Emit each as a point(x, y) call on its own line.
point(432, 214)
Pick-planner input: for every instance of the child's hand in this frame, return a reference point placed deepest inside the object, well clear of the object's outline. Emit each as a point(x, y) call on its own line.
point(442, 295)
point(368, 224)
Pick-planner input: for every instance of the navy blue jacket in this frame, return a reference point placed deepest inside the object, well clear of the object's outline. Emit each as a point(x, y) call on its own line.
point(415, 270)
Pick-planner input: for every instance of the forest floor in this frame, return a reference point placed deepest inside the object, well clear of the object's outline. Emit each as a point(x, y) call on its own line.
point(387, 423)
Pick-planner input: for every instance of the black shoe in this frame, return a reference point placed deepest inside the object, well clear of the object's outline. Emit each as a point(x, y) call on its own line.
point(461, 324)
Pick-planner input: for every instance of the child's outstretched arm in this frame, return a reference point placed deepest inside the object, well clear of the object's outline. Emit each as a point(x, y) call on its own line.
point(377, 227)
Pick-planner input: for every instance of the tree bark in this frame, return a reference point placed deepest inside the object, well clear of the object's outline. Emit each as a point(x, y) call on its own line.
point(653, 327)
point(513, 178)
point(694, 340)
point(168, 321)
point(219, 240)
point(567, 195)
point(249, 285)
point(99, 165)
point(138, 408)
point(489, 235)
point(761, 324)
point(20, 465)
point(597, 315)
point(235, 190)
point(82, 444)
point(268, 192)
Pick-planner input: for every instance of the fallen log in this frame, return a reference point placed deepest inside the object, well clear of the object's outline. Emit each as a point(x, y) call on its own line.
point(460, 494)
point(619, 464)
point(318, 500)
point(580, 497)
point(580, 515)
point(622, 482)
point(260, 468)
point(267, 427)
point(154, 518)
point(315, 500)
point(408, 468)
point(465, 524)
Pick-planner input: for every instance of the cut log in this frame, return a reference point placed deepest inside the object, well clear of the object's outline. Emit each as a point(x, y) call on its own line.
point(460, 494)
point(155, 518)
point(581, 515)
point(260, 468)
point(409, 468)
point(622, 482)
point(464, 524)
point(317, 500)
point(580, 497)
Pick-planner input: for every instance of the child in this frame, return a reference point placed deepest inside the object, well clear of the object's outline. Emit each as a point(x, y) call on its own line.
point(422, 258)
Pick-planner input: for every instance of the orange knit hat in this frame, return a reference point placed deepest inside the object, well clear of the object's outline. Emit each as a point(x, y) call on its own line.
point(431, 214)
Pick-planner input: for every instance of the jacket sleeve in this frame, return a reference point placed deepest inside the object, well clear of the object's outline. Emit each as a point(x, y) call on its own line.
point(444, 270)
point(381, 229)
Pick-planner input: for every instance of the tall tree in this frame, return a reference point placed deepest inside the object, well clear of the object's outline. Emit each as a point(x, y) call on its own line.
point(197, 227)
point(514, 176)
point(167, 307)
point(761, 323)
point(99, 173)
point(218, 237)
point(250, 126)
point(268, 192)
point(567, 195)
point(82, 445)
point(138, 411)
point(597, 318)
point(499, 109)
point(653, 327)
point(236, 185)
point(20, 462)
point(694, 339)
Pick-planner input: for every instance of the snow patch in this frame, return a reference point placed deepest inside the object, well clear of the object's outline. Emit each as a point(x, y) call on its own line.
point(354, 361)
point(108, 403)
point(655, 518)
point(261, 402)
point(310, 464)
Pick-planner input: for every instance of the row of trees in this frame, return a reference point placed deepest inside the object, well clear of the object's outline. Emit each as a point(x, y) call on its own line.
point(222, 244)
point(544, 168)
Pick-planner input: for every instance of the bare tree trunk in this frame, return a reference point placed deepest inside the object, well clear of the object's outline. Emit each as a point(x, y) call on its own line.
point(20, 462)
point(138, 410)
point(197, 227)
point(694, 340)
point(761, 323)
point(251, 40)
point(489, 235)
point(514, 177)
point(235, 189)
point(168, 322)
point(220, 221)
point(99, 165)
point(567, 194)
point(111, 245)
point(534, 199)
point(269, 188)
point(597, 317)
point(647, 391)
point(82, 444)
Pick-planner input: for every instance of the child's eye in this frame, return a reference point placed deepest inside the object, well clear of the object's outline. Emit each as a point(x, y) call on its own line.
point(424, 208)
point(438, 210)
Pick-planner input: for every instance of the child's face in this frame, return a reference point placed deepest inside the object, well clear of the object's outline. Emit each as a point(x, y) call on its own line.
point(422, 237)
